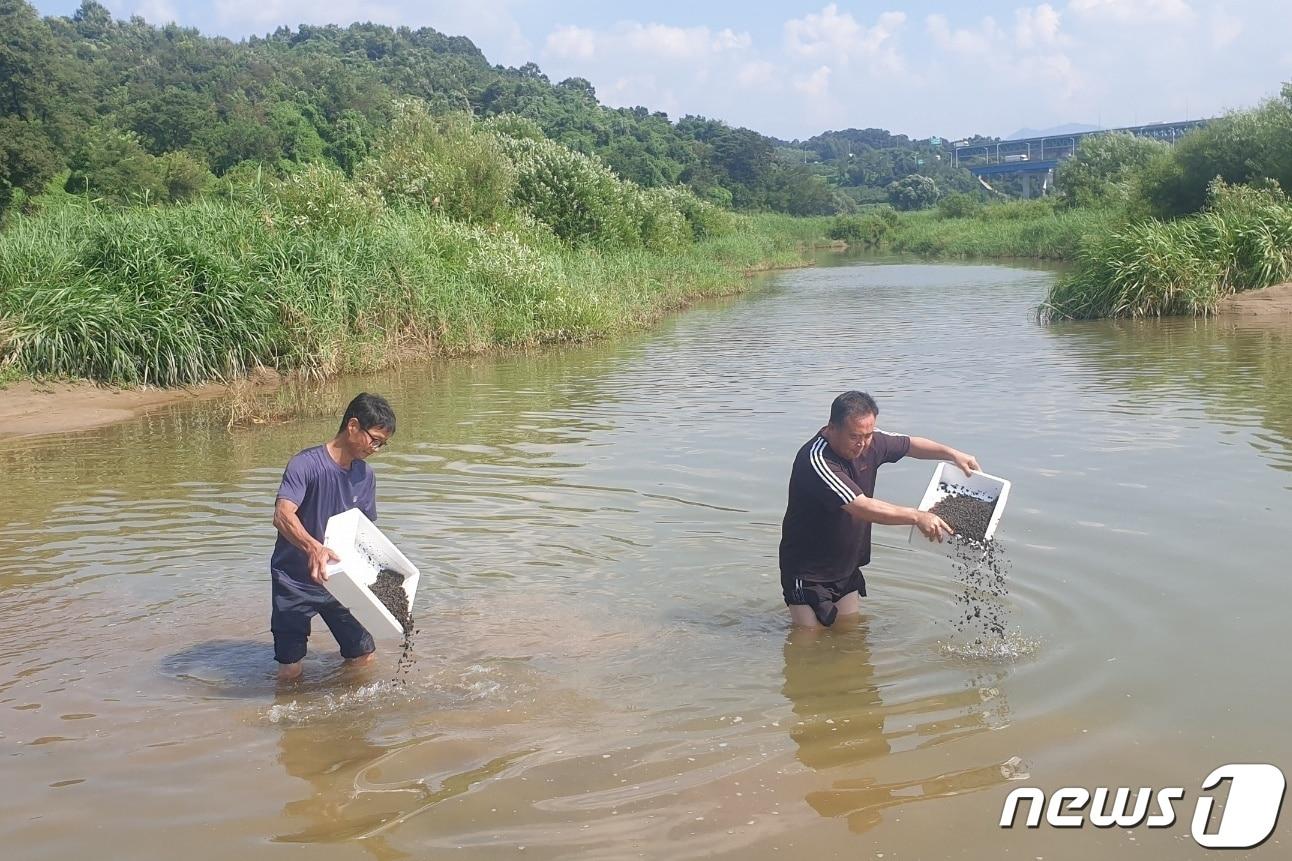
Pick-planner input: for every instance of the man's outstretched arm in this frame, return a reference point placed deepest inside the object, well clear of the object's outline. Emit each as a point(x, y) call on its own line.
point(927, 449)
point(886, 513)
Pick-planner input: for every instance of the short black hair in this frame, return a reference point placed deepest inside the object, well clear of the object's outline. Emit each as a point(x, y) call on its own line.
point(372, 411)
point(851, 404)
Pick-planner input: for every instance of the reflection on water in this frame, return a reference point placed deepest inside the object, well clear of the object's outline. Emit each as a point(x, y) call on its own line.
point(1233, 371)
point(842, 723)
point(603, 668)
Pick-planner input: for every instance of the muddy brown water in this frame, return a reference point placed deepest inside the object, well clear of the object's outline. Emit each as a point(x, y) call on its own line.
point(604, 668)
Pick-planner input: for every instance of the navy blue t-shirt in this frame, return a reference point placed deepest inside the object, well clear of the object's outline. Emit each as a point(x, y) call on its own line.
point(320, 488)
point(820, 541)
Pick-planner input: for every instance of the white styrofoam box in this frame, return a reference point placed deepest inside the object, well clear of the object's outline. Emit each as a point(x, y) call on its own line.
point(363, 552)
point(979, 484)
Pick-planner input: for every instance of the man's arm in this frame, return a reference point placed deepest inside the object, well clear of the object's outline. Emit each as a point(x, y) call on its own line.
point(927, 449)
point(888, 514)
point(291, 528)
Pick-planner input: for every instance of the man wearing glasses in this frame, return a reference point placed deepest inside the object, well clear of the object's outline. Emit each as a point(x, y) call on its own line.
point(318, 483)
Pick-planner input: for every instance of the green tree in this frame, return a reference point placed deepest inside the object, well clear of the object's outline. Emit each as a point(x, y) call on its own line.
point(1104, 168)
point(795, 189)
point(112, 165)
point(349, 141)
point(913, 192)
point(960, 205)
point(298, 139)
point(1240, 148)
point(28, 160)
point(448, 163)
point(184, 176)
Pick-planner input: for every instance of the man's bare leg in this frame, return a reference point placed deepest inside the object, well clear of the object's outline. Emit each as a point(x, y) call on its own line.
point(802, 616)
point(289, 672)
point(850, 604)
point(362, 660)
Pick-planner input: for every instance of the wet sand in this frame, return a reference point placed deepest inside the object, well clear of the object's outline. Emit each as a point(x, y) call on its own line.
point(33, 408)
point(1272, 302)
point(29, 408)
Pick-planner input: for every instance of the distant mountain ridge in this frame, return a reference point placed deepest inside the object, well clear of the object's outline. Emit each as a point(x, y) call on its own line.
point(1065, 129)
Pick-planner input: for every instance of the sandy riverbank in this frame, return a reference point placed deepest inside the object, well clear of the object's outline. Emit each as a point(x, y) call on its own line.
point(31, 408)
point(1272, 302)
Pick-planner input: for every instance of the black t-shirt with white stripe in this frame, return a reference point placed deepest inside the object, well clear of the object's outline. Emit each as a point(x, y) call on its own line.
point(820, 542)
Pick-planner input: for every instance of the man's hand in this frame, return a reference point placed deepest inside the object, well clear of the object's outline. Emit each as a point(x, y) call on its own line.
point(320, 556)
point(968, 463)
point(932, 526)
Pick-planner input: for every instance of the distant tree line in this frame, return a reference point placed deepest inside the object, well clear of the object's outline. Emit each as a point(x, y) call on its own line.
point(128, 112)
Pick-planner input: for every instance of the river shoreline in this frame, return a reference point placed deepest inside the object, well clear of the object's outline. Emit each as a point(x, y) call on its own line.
point(36, 408)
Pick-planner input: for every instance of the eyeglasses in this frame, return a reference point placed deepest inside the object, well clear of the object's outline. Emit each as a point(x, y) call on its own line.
point(376, 443)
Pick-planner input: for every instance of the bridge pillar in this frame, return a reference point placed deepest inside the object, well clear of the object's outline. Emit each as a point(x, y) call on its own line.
point(1027, 185)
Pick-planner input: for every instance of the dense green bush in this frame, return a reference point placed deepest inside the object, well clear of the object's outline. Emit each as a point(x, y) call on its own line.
point(319, 196)
point(913, 192)
point(704, 219)
point(960, 205)
point(579, 198)
point(1243, 240)
point(208, 290)
point(447, 163)
point(1242, 147)
point(1105, 168)
point(451, 237)
point(865, 230)
point(1031, 229)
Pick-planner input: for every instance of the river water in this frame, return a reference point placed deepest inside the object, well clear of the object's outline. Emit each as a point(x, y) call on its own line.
point(604, 667)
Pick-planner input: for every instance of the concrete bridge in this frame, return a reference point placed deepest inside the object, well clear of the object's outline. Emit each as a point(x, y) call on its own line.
point(1036, 158)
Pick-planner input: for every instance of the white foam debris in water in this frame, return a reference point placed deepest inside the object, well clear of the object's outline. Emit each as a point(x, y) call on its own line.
point(297, 711)
point(1011, 647)
point(1014, 769)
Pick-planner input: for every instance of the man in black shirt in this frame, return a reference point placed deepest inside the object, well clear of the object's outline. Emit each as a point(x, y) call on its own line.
point(825, 538)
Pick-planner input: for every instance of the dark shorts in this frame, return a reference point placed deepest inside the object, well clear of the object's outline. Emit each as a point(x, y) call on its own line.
point(295, 604)
point(821, 597)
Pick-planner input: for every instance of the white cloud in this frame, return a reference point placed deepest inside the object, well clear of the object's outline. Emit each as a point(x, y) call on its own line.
point(571, 43)
point(156, 12)
point(826, 34)
point(634, 63)
point(1134, 10)
point(980, 41)
point(630, 40)
point(757, 74)
point(678, 43)
point(839, 38)
point(1036, 26)
point(1225, 28)
point(816, 84)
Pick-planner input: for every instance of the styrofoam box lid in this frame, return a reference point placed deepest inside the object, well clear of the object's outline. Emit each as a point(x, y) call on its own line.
point(979, 484)
point(364, 551)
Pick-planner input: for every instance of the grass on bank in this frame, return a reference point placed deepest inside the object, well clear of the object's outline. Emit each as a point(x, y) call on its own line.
point(1001, 231)
point(1123, 266)
point(184, 294)
point(1241, 241)
point(454, 236)
point(1040, 229)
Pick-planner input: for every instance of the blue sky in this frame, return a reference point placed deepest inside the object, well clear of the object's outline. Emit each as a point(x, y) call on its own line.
point(796, 69)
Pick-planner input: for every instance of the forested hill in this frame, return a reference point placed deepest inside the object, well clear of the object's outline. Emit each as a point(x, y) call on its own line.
point(143, 112)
